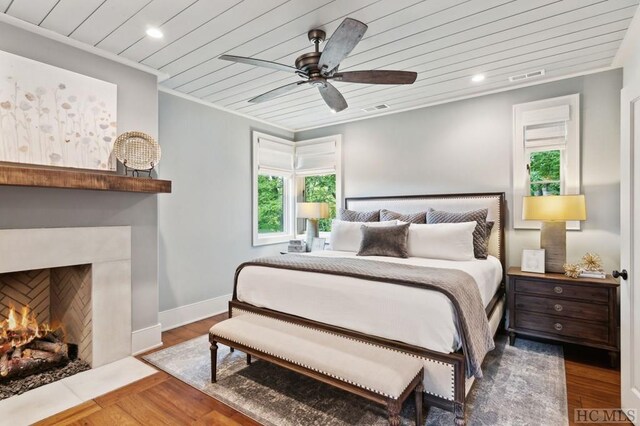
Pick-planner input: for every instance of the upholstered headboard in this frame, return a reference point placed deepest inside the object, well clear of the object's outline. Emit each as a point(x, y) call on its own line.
point(493, 201)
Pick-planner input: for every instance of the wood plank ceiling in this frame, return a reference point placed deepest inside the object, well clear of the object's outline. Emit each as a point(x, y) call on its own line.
point(445, 41)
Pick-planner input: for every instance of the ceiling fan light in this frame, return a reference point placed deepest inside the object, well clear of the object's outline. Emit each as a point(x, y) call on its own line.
point(478, 78)
point(333, 111)
point(154, 32)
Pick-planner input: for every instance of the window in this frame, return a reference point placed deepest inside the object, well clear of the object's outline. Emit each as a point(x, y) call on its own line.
point(271, 204)
point(318, 189)
point(546, 152)
point(285, 173)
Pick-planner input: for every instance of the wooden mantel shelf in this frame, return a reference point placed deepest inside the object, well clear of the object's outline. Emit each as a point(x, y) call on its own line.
point(49, 177)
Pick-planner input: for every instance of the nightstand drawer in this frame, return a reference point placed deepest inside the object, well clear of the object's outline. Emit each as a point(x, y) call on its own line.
point(562, 327)
point(562, 307)
point(561, 290)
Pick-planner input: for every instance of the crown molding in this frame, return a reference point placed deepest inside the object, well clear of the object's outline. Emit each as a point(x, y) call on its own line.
point(461, 98)
point(218, 107)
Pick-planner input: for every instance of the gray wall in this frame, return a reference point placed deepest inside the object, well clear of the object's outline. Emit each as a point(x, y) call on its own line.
point(205, 225)
point(466, 146)
point(35, 208)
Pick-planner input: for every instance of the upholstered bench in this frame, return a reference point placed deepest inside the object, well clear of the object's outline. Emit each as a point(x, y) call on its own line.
point(380, 374)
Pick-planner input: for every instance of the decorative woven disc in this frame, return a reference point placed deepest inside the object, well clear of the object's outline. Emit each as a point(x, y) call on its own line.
point(137, 150)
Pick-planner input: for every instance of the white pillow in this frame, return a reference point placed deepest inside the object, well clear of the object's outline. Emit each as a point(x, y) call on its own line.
point(448, 241)
point(346, 236)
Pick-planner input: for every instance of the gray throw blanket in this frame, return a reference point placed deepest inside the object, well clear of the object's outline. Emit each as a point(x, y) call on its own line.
point(458, 286)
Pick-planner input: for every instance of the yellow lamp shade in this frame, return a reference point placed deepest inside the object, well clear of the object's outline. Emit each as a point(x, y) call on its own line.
point(313, 210)
point(554, 208)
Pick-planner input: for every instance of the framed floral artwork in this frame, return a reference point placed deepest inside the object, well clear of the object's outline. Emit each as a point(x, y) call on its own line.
point(54, 117)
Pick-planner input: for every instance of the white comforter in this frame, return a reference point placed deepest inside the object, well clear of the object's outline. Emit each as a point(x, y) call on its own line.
point(415, 316)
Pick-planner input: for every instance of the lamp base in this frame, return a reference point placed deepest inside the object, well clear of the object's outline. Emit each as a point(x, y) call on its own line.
point(312, 232)
point(553, 239)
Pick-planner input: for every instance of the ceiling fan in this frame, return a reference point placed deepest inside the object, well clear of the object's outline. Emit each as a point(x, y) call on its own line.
point(318, 68)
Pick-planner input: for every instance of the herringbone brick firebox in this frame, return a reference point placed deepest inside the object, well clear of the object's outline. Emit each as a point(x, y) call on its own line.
point(59, 296)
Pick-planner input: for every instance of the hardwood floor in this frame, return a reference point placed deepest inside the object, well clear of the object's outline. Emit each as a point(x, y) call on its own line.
point(161, 399)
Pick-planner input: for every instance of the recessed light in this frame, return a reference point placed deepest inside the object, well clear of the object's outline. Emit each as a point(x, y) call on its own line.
point(477, 78)
point(154, 32)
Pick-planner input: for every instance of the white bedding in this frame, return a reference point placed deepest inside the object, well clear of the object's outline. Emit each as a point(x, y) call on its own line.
point(415, 316)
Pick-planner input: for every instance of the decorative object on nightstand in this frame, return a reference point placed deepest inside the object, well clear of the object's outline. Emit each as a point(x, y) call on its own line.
point(533, 261)
point(318, 244)
point(138, 152)
point(554, 211)
point(582, 311)
point(312, 212)
point(296, 246)
point(572, 270)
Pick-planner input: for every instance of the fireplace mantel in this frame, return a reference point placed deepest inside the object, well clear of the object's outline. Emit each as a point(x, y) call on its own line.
point(50, 177)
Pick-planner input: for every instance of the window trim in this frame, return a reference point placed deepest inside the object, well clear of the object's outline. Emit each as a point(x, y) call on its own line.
point(570, 156)
point(291, 187)
point(289, 207)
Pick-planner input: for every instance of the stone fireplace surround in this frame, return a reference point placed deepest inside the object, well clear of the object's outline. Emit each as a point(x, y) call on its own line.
point(108, 252)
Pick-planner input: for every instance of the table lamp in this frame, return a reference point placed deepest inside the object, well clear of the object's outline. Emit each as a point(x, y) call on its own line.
point(312, 212)
point(554, 211)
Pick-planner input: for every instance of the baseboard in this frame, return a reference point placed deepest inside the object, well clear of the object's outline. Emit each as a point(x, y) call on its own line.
point(187, 314)
point(146, 339)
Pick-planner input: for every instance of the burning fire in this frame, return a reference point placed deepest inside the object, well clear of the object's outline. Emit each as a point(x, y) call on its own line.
point(19, 329)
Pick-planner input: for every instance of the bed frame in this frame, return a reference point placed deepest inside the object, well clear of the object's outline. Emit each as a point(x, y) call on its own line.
point(452, 400)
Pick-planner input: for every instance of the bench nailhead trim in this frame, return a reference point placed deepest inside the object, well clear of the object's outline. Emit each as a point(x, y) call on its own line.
point(435, 361)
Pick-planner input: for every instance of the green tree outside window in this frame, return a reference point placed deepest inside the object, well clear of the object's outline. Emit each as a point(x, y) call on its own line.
point(270, 204)
point(544, 172)
point(322, 189)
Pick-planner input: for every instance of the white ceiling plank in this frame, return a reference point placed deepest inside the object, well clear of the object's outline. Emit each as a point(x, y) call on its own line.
point(435, 99)
point(107, 18)
point(387, 93)
point(4, 5)
point(184, 50)
point(459, 84)
point(30, 10)
point(154, 15)
point(486, 62)
point(446, 45)
point(328, 18)
point(69, 14)
point(444, 41)
point(184, 23)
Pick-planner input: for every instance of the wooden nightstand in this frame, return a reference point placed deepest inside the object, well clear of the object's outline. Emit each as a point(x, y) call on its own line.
point(582, 311)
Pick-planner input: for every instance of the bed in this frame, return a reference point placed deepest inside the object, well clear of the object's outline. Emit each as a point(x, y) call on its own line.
point(399, 317)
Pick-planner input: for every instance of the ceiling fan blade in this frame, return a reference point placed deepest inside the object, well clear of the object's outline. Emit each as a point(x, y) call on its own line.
point(376, 77)
point(259, 63)
point(341, 43)
point(333, 97)
point(276, 92)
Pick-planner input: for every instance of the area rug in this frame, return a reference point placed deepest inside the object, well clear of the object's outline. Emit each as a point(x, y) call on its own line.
point(522, 385)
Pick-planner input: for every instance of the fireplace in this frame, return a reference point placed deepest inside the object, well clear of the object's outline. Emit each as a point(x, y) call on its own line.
point(65, 303)
point(45, 324)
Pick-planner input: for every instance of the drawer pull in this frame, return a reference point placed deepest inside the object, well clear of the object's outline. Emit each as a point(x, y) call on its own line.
point(558, 289)
point(557, 326)
point(557, 307)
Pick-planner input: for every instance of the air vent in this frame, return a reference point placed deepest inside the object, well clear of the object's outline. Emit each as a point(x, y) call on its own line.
point(376, 108)
point(520, 77)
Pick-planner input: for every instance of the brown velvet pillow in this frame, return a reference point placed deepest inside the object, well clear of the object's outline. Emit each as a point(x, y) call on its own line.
point(390, 241)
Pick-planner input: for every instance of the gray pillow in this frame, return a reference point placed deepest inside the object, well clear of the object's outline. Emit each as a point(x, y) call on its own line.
point(420, 217)
point(480, 240)
point(388, 241)
point(489, 226)
point(354, 216)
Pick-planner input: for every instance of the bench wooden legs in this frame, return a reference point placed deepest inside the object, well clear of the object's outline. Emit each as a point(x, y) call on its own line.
point(214, 361)
point(248, 359)
point(419, 410)
point(393, 410)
